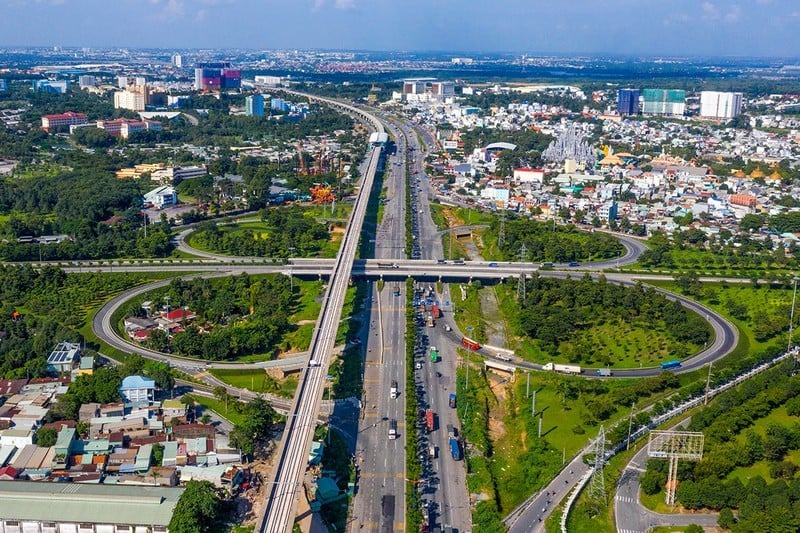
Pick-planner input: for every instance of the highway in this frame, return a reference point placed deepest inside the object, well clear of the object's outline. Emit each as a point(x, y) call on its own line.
point(284, 487)
point(379, 503)
point(443, 484)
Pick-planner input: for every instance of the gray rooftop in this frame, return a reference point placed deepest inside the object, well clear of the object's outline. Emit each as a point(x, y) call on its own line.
point(99, 504)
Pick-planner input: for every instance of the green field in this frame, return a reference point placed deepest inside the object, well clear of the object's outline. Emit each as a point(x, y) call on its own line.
point(257, 380)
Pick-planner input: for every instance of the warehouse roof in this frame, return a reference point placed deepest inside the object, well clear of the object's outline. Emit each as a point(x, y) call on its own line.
point(99, 504)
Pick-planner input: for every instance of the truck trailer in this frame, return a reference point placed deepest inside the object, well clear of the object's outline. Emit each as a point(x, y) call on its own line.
point(470, 344)
point(430, 420)
point(455, 449)
point(563, 369)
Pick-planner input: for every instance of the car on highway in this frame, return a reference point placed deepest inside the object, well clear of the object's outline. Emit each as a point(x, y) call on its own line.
point(573, 264)
point(492, 264)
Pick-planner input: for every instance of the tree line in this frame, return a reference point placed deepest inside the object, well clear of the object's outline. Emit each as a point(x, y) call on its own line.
point(545, 241)
point(555, 310)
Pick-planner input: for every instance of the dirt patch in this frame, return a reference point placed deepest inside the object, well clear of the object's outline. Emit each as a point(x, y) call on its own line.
point(336, 229)
point(452, 219)
point(497, 429)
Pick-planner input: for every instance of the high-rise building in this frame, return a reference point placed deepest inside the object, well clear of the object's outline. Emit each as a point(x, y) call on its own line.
point(122, 81)
point(663, 102)
point(177, 60)
point(254, 105)
point(628, 101)
point(216, 76)
point(443, 89)
point(719, 105)
point(86, 81)
point(3, 85)
point(278, 104)
point(139, 81)
point(134, 98)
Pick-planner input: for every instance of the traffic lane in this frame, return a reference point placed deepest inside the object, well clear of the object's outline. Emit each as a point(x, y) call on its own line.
point(541, 507)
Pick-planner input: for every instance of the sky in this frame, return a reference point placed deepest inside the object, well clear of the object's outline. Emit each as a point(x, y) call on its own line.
point(627, 27)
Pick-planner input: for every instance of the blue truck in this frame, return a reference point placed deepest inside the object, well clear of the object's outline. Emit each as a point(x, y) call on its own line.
point(455, 449)
point(452, 400)
point(671, 364)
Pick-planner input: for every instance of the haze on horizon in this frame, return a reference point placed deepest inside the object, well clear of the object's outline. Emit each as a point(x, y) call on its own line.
point(751, 28)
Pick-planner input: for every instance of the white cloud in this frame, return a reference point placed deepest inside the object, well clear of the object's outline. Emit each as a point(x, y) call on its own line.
point(709, 11)
point(734, 14)
point(342, 5)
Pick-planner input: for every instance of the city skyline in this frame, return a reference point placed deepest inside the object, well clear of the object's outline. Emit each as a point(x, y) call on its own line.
point(752, 28)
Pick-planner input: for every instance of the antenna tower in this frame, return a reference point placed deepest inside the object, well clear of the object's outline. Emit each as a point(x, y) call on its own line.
point(598, 487)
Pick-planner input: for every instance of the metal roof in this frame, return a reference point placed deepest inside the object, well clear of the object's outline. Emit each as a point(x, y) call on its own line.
point(99, 504)
point(64, 352)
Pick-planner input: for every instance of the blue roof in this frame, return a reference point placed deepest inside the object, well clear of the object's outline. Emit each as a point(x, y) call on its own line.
point(137, 382)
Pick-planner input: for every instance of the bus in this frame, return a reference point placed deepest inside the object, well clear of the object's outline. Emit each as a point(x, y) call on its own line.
point(671, 364)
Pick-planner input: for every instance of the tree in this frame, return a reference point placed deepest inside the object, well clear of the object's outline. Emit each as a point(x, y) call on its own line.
point(46, 437)
point(198, 510)
point(694, 528)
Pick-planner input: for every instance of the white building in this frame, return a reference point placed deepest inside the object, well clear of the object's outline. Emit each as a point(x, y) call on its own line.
point(162, 197)
point(135, 101)
point(137, 389)
point(86, 81)
point(528, 175)
point(269, 81)
point(719, 105)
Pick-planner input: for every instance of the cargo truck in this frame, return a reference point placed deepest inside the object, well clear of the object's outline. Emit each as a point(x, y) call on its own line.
point(435, 312)
point(451, 432)
point(452, 400)
point(434, 354)
point(392, 429)
point(604, 372)
point(430, 420)
point(431, 323)
point(470, 344)
point(671, 364)
point(564, 369)
point(393, 390)
point(455, 449)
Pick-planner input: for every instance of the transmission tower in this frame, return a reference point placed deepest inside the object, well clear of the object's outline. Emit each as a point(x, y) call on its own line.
point(598, 487)
point(521, 285)
point(501, 237)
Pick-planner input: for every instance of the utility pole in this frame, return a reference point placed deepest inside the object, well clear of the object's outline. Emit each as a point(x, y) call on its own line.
point(528, 386)
point(630, 426)
point(708, 383)
point(533, 404)
point(540, 426)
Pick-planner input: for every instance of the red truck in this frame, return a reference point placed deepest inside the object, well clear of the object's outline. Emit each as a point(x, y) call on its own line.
point(436, 312)
point(430, 420)
point(470, 344)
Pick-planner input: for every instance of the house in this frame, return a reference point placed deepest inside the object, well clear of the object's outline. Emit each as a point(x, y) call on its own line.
point(173, 408)
point(64, 357)
point(133, 323)
point(179, 315)
point(86, 367)
point(16, 437)
point(138, 389)
point(65, 444)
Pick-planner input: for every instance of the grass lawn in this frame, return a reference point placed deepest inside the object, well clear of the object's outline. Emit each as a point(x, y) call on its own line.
point(759, 302)
point(468, 315)
point(257, 380)
point(218, 407)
